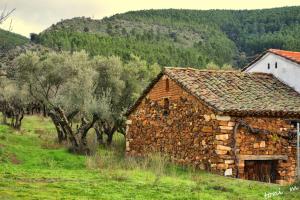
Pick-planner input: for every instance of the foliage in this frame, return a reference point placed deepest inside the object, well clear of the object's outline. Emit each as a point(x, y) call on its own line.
point(180, 37)
point(10, 40)
point(77, 88)
point(13, 100)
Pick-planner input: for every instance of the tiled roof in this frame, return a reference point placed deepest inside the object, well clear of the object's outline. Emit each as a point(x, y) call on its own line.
point(235, 92)
point(290, 55)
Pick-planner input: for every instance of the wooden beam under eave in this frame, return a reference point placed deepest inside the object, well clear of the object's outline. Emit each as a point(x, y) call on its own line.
point(262, 157)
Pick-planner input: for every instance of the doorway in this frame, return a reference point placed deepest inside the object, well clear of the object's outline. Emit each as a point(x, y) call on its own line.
point(261, 170)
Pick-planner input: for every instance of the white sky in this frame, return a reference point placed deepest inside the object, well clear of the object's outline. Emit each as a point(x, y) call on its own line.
point(36, 15)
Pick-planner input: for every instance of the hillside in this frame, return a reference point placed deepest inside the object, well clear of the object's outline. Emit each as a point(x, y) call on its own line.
point(180, 37)
point(33, 166)
point(9, 40)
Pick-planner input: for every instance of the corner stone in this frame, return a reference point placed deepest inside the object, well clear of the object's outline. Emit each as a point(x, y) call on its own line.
point(223, 118)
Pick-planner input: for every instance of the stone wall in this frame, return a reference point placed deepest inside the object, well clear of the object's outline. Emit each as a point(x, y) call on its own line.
point(270, 145)
point(192, 133)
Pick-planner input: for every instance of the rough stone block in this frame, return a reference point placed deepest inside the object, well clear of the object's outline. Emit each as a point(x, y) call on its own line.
point(127, 146)
point(229, 161)
point(256, 145)
point(231, 124)
point(262, 144)
point(207, 129)
point(222, 166)
point(221, 152)
point(207, 118)
point(228, 172)
point(226, 127)
point(222, 137)
point(223, 118)
point(224, 148)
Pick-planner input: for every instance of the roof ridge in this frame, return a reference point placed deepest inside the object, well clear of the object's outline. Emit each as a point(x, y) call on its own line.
point(270, 50)
point(204, 70)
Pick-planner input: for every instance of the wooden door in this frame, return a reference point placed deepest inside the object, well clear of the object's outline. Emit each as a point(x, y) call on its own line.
point(261, 170)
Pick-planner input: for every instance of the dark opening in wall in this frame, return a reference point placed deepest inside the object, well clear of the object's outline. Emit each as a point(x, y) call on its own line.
point(276, 65)
point(294, 123)
point(268, 65)
point(261, 170)
point(166, 107)
point(167, 85)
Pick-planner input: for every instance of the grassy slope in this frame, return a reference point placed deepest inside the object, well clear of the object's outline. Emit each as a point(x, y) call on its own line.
point(9, 40)
point(31, 167)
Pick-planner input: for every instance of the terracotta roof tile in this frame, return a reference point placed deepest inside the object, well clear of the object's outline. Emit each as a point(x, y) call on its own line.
point(291, 55)
point(235, 92)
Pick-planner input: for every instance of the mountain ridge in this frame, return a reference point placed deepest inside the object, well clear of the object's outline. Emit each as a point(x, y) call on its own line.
point(180, 37)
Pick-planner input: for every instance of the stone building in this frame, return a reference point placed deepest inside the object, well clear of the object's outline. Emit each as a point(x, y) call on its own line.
point(228, 122)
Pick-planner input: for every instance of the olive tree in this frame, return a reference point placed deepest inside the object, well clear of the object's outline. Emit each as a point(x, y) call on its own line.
point(64, 83)
point(13, 100)
point(120, 84)
point(92, 92)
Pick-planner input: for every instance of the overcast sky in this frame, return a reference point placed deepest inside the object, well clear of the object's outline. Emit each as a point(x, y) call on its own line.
point(36, 15)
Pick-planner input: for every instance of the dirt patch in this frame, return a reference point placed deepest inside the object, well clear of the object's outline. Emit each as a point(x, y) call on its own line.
point(2, 137)
point(13, 159)
point(2, 145)
point(220, 188)
point(51, 145)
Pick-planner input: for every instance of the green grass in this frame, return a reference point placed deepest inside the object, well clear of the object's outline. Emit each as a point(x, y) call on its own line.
point(32, 166)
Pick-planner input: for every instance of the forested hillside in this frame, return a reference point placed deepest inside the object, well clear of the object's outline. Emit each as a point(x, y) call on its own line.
point(9, 40)
point(180, 37)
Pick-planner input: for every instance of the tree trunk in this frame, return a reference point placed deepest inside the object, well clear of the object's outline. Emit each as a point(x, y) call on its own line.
point(66, 127)
point(44, 111)
point(83, 131)
point(60, 133)
point(4, 118)
point(99, 135)
point(110, 134)
point(109, 138)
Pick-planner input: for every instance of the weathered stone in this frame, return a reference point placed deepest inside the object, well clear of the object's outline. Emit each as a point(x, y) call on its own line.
point(223, 123)
point(169, 122)
point(228, 172)
point(207, 129)
point(229, 161)
point(213, 165)
point(222, 137)
point(221, 152)
point(195, 129)
point(128, 122)
point(224, 148)
point(213, 116)
point(202, 166)
point(207, 118)
point(256, 145)
point(226, 127)
point(223, 118)
point(127, 146)
point(262, 144)
point(231, 124)
point(222, 166)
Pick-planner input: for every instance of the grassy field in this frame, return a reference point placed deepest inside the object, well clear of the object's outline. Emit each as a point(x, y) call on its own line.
point(33, 166)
